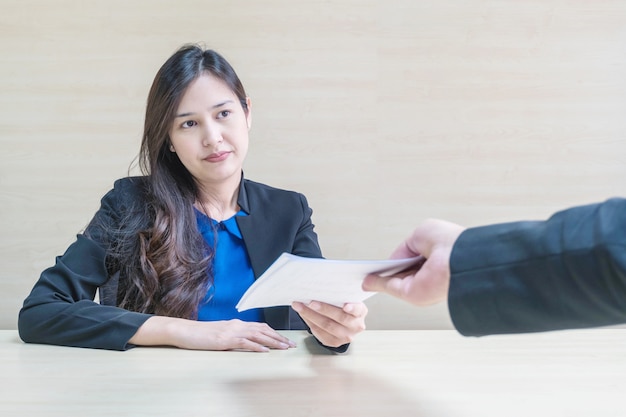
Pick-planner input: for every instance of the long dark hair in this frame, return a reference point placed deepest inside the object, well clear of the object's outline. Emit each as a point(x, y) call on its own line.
point(167, 264)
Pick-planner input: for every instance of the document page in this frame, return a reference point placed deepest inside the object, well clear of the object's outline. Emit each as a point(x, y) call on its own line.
point(294, 278)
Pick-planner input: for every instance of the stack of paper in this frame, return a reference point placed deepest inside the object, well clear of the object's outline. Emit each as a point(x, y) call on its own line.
point(294, 278)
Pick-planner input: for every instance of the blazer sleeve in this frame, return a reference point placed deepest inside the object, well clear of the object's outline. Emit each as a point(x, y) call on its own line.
point(60, 309)
point(566, 272)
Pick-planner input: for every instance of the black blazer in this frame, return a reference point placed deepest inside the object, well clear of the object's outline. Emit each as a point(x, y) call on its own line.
point(60, 308)
point(566, 272)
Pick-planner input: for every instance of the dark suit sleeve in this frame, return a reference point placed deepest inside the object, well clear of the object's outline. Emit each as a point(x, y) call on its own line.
point(60, 309)
point(566, 272)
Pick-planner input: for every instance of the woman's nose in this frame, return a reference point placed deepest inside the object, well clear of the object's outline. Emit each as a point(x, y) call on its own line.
point(212, 135)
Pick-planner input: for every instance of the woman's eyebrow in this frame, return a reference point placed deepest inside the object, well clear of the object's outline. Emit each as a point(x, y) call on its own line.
point(223, 103)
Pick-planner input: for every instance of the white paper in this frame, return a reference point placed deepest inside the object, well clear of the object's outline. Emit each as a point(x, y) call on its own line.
point(294, 278)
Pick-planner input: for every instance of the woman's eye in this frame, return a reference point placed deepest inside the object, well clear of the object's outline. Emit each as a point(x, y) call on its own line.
point(188, 123)
point(223, 113)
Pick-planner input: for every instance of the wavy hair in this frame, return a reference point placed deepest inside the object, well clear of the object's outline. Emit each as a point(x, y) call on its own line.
point(166, 262)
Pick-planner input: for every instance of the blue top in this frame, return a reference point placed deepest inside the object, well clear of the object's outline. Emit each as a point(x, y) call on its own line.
point(232, 272)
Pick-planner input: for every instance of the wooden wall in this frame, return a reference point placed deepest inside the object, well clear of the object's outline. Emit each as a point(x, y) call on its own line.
point(382, 112)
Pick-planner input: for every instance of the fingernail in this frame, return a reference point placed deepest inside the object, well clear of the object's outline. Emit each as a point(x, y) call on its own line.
point(314, 305)
point(296, 306)
point(292, 344)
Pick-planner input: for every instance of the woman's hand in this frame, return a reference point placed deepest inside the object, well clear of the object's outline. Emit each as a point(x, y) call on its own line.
point(333, 326)
point(209, 335)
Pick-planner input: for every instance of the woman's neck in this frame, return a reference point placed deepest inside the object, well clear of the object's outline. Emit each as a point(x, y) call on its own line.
point(219, 202)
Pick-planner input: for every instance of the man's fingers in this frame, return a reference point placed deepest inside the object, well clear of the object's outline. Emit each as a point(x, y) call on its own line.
point(375, 283)
point(391, 285)
point(403, 251)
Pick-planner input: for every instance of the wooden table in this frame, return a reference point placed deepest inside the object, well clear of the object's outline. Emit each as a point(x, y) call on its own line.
point(385, 373)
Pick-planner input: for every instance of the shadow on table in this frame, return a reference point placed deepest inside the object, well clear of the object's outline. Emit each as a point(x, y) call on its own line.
point(326, 390)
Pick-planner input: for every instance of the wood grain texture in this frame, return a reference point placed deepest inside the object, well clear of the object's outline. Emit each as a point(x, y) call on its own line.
point(382, 113)
point(397, 373)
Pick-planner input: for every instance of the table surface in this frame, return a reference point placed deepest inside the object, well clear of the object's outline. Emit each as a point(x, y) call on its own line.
point(385, 373)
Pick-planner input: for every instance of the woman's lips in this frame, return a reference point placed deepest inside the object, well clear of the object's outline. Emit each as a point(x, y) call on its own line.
point(217, 156)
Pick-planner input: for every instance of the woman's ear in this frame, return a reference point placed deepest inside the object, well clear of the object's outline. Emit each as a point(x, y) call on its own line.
point(249, 112)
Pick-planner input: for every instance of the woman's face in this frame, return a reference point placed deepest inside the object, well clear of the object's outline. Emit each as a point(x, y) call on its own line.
point(210, 132)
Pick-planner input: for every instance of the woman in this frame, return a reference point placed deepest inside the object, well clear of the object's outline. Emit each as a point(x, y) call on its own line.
point(173, 251)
